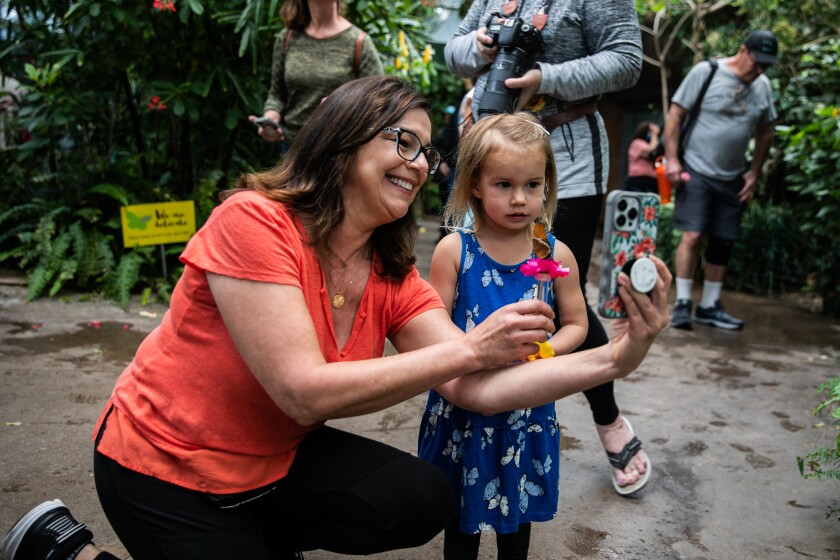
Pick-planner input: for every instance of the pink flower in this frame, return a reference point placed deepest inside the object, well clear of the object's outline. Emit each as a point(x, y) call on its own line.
point(534, 267)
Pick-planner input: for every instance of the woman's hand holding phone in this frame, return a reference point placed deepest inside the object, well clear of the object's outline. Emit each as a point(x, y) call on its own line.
point(268, 128)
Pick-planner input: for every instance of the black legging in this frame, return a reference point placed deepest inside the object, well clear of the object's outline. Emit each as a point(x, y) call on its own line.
point(575, 224)
point(344, 493)
point(509, 546)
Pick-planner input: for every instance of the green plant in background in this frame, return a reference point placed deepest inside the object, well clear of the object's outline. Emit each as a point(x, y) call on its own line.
point(151, 97)
point(59, 242)
point(800, 187)
point(813, 162)
point(667, 238)
point(824, 462)
point(771, 256)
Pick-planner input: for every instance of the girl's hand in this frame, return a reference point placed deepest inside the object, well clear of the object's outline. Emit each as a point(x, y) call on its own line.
point(508, 334)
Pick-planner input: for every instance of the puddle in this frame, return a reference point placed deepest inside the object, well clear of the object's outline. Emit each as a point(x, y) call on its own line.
point(116, 341)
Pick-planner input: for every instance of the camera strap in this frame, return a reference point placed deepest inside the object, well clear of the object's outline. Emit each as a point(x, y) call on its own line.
point(511, 8)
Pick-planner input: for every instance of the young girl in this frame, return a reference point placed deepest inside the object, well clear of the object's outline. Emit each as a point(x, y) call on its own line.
point(503, 468)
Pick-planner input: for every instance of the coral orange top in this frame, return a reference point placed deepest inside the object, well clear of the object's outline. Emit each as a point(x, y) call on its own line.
point(187, 410)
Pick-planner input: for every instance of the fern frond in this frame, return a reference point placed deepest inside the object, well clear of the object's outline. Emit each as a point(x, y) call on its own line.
point(19, 210)
point(37, 281)
point(67, 272)
point(110, 190)
point(12, 232)
point(127, 275)
point(105, 258)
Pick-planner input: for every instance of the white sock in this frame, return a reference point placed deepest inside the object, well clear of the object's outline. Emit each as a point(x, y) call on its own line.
point(684, 286)
point(711, 293)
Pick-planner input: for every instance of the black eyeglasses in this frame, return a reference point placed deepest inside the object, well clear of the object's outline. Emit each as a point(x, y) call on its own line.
point(409, 147)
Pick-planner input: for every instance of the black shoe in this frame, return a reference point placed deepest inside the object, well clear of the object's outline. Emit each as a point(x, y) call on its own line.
point(681, 315)
point(46, 532)
point(715, 315)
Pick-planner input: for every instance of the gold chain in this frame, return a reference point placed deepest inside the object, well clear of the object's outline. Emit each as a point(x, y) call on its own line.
point(338, 300)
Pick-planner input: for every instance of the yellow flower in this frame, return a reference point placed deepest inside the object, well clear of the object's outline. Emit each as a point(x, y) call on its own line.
point(427, 54)
point(402, 40)
point(835, 112)
point(398, 63)
point(404, 52)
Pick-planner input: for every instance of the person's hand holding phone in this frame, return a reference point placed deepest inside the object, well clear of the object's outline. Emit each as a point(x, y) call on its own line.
point(268, 126)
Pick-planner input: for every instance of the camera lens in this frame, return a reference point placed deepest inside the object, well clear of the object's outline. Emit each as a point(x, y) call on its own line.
point(633, 213)
point(519, 44)
point(622, 205)
point(621, 220)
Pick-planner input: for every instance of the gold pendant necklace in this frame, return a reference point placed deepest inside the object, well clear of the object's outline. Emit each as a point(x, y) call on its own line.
point(338, 300)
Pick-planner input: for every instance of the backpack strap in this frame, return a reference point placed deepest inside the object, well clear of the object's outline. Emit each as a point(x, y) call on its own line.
point(695, 110)
point(357, 60)
point(286, 40)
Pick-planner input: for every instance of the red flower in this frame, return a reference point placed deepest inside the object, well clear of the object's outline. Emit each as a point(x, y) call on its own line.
point(164, 5)
point(155, 104)
point(650, 213)
point(644, 248)
point(621, 258)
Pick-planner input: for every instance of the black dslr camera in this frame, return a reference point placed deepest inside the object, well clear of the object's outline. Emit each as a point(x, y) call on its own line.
point(519, 46)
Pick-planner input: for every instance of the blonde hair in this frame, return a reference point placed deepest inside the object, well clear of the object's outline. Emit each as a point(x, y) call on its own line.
point(519, 133)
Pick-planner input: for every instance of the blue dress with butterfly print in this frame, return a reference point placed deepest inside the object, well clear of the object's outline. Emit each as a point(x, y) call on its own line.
point(503, 469)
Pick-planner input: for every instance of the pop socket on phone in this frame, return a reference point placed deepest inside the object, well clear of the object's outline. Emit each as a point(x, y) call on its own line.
point(642, 273)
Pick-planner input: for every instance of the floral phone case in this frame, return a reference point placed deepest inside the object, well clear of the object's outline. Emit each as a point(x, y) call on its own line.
point(630, 225)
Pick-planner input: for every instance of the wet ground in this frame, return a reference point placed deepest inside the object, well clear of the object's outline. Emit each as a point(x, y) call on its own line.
point(722, 415)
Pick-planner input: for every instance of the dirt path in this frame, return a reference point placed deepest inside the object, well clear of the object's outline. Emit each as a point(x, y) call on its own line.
point(722, 415)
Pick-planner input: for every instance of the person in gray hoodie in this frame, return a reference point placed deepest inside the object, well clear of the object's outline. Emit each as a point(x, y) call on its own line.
point(590, 47)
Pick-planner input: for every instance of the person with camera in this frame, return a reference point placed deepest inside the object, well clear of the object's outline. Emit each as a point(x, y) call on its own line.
point(556, 59)
point(736, 108)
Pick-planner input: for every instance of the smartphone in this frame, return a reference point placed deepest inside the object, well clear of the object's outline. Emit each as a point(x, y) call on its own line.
point(630, 225)
point(266, 121)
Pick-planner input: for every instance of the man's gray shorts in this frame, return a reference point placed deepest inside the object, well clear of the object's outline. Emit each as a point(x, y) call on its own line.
point(709, 206)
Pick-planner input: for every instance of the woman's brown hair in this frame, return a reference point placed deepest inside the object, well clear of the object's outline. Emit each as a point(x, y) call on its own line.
point(310, 177)
point(295, 13)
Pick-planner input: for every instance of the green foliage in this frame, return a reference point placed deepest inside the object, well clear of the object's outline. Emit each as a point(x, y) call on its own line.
point(811, 159)
point(824, 462)
point(771, 257)
point(799, 194)
point(667, 238)
point(137, 102)
point(63, 245)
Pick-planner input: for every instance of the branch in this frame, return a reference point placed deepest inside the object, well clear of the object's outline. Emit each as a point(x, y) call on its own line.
point(651, 61)
point(677, 27)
